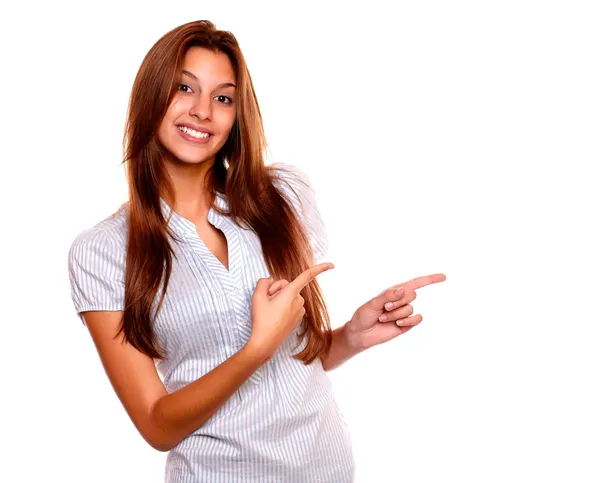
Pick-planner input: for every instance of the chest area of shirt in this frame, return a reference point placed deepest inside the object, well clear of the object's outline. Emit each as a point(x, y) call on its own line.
point(217, 262)
point(207, 307)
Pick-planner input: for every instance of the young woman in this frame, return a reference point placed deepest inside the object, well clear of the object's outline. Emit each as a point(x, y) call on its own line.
point(200, 292)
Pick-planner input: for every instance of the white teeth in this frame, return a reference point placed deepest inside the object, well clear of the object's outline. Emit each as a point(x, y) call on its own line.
point(191, 132)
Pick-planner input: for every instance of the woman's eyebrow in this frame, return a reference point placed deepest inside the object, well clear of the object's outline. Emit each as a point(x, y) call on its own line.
point(224, 84)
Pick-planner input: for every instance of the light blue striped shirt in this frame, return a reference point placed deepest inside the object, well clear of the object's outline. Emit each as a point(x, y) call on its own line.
point(283, 423)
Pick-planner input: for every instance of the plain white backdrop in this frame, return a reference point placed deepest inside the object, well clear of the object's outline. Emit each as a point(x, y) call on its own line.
point(454, 137)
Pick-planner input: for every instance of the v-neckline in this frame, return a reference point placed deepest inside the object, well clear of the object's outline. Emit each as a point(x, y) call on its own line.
point(218, 223)
point(228, 266)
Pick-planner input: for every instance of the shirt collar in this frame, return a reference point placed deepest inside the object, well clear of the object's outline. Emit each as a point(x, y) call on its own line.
point(184, 227)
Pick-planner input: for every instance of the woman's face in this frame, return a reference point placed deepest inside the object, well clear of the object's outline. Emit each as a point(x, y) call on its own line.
point(204, 100)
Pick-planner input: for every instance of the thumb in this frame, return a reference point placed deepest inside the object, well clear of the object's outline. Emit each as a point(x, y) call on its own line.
point(264, 284)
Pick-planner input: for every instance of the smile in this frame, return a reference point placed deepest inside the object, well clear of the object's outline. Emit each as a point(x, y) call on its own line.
point(194, 136)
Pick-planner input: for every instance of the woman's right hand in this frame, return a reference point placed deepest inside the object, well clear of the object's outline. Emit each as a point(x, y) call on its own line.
point(275, 317)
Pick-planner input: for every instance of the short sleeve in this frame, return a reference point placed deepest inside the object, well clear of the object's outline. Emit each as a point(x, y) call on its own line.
point(299, 191)
point(97, 271)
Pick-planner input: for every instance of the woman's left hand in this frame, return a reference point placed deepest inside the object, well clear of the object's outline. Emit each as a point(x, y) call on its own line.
point(367, 327)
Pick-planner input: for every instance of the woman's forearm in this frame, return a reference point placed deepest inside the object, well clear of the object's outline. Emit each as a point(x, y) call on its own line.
point(178, 414)
point(342, 348)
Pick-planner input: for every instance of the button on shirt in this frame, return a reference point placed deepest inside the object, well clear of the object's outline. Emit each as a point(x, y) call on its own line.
point(283, 423)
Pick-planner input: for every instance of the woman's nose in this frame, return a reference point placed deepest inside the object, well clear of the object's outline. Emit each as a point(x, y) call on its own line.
point(201, 108)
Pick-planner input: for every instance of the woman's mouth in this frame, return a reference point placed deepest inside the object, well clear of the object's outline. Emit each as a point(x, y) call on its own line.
point(193, 136)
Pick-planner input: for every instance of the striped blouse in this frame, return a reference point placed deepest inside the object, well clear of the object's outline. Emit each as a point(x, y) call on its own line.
point(283, 423)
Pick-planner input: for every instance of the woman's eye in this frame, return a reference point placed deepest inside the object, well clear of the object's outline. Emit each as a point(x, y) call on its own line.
point(222, 99)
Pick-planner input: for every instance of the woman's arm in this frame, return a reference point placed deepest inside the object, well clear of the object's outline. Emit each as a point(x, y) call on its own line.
point(342, 348)
point(165, 419)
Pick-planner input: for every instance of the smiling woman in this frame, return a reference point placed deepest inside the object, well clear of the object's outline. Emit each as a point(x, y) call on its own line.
point(200, 97)
point(174, 287)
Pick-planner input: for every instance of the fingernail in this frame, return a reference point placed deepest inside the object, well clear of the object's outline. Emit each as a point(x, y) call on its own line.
point(399, 290)
point(383, 318)
point(389, 305)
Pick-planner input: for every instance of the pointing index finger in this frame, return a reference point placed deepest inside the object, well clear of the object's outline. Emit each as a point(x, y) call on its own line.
point(307, 276)
point(419, 282)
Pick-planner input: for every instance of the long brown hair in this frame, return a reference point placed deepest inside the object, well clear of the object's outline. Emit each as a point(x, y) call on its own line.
point(247, 183)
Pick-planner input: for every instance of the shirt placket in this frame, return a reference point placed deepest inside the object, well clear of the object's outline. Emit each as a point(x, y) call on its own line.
point(240, 329)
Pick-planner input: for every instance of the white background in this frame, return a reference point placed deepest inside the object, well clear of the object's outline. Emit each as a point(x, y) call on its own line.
point(454, 137)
